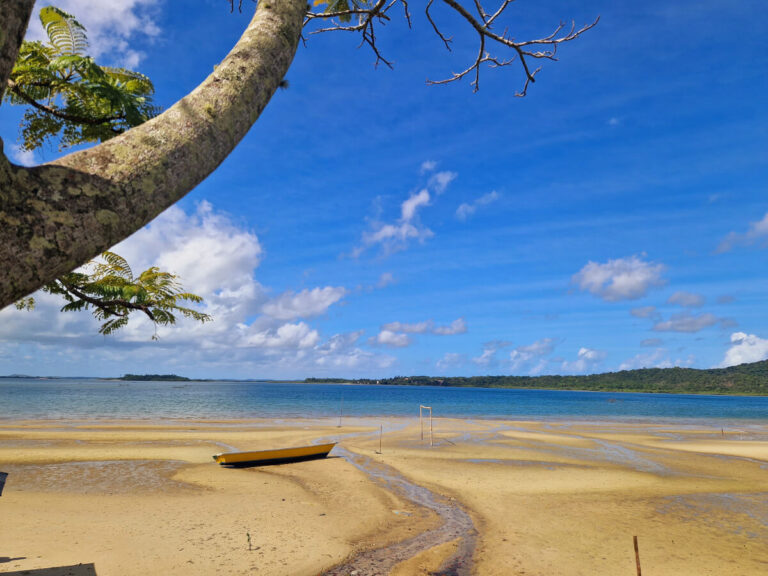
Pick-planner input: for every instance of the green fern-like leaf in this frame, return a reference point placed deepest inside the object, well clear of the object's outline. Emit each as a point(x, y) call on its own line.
point(64, 32)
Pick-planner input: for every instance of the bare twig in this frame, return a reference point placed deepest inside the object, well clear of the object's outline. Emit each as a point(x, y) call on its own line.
point(362, 15)
point(483, 27)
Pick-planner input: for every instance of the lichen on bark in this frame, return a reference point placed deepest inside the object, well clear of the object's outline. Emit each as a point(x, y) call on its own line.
point(59, 215)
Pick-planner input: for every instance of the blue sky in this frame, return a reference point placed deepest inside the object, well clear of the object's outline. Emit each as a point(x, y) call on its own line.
point(371, 225)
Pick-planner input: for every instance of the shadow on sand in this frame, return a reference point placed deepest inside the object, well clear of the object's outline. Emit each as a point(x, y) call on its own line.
point(76, 570)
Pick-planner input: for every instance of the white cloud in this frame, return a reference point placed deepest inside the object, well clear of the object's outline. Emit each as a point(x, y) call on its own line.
point(286, 336)
point(656, 359)
point(745, 348)
point(757, 232)
point(450, 360)
point(686, 299)
point(620, 279)
point(439, 182)
point(385, 280)
point(206, 249)
point(458, 326)
point(414, 328)
point(428, 166)
point(114, 27)
point(488, 357)
point(644, 312)
point(218, 260)
point(396, 236)
point(587, 359)
point(465, 210)
point(23, 157)
point(392, 339)
point(305, 304)
point(687, 322)
point(651, 342)
point(614, 121)
point(409, 207)
point(532, 355)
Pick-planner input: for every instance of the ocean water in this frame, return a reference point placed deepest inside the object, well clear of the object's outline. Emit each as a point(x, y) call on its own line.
point(94, 399)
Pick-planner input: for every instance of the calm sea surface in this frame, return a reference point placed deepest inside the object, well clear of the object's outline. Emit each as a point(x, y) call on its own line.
point(84, 398)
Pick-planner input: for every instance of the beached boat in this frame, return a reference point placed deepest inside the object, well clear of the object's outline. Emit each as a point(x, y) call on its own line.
point(279, 456)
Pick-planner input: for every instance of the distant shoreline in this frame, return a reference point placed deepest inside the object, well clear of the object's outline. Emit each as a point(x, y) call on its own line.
point(742, 380)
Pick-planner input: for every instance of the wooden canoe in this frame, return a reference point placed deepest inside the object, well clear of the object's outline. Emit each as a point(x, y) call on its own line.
point(279, 456)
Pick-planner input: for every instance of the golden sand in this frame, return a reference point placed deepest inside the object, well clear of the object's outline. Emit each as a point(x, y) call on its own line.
point(546, 498)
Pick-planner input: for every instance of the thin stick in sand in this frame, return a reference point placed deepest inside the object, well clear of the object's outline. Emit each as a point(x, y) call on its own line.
point(637, 557)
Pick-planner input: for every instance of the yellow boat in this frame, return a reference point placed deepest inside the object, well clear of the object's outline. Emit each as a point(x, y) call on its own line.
point(279, 456)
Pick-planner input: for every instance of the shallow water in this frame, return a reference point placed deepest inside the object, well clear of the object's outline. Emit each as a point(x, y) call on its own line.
point(89, 399)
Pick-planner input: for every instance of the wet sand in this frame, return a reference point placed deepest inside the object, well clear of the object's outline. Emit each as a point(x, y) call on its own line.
point(544, 498)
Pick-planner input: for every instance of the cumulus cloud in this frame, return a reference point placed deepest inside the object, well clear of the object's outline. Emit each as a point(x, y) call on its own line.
point(687, 322)
point(488, 357)
point(587, 359)
point(686, 299)
point(304, 304)
point(644, 312)
point(385, 280)
point(745, 348)
point(396, 236)
point(286, 336)
point(23, 157)
point(467, 209)
point(114, 27)
point(395, 334)
point(620, 279)
point(216, 259)
point(658, 358)
point(391, 339)
point(428, 166)
point(757, 232)
point(532, 356)
point(450, 360)
point(439, 181)
point(458, 326)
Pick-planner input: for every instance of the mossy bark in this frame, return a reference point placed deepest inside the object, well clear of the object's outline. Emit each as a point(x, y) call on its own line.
point(57, 216)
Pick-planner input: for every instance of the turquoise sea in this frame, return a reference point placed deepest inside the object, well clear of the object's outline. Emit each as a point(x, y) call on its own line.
point(25, 398)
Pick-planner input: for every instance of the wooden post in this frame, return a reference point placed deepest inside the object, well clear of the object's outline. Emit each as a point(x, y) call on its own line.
point(381, 433)
point(341, 410)
point(430, 427)
point(637, 557)
point(421, 422)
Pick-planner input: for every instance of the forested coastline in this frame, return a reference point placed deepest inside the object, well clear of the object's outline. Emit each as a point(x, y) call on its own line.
point(742, 379)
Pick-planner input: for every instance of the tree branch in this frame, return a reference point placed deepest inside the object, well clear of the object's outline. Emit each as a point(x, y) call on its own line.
point(362, 20)
point(14, 19)
point(53, 111)
point(107, 305)
point(483, 27)
point(57, 216)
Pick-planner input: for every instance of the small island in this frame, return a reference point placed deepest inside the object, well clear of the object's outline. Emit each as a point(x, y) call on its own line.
point(154, 378)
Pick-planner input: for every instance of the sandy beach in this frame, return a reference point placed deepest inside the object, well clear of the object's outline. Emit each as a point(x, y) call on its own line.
point(120, 498)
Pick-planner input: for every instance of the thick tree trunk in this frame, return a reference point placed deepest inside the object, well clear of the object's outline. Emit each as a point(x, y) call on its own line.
point(57, 216)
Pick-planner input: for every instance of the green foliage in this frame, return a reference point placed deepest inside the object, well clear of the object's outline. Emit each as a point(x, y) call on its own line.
point(112, 292)
point(70, 96)
point(154, 378)
point(743, 379)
